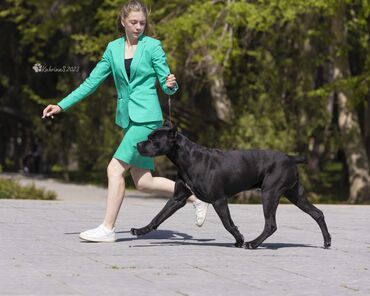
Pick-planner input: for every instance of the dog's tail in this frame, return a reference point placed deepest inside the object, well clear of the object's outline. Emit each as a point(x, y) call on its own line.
point(299, 159)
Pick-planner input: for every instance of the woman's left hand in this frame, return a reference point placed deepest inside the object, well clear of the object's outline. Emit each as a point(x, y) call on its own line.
point(171, 81)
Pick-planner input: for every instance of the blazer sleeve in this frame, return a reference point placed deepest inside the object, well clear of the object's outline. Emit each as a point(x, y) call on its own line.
point(97, 76)
point(161, 68)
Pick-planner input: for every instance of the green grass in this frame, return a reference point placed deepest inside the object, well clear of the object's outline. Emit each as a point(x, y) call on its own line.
point(11, 189)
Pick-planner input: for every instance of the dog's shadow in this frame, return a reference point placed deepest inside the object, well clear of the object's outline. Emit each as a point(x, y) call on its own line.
point(275, 246)
point(161, 234)
point(174, 238)
point(183, 239)
point(264, 246)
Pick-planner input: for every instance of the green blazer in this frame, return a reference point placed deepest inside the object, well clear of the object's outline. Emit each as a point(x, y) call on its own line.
point(137, 98)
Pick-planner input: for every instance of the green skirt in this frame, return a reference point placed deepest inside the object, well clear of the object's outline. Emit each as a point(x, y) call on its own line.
point(135, 133)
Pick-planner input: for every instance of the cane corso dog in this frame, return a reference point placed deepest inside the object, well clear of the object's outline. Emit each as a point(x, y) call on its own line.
point(214, 175)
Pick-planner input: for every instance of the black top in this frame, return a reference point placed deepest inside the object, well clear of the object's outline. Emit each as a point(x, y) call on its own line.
point(127, 66)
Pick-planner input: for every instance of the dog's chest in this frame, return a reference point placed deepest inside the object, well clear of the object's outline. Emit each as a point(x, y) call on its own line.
point(198, 192)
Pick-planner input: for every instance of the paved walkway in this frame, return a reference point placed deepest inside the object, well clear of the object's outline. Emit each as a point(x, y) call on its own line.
point(41, 253)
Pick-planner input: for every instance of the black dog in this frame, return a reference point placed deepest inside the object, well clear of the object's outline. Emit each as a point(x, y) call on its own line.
point(214, 175)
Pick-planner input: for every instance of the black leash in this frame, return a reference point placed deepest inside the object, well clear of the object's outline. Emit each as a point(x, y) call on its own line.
point(169, 110)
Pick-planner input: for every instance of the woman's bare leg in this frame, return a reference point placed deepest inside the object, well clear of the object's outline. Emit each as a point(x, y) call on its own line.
point(116, 190)
point(144, 181)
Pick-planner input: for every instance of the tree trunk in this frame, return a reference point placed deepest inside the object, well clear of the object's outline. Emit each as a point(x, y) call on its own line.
point(220, 99)
point(367, 127)
point(354, 148)
point(311, 78)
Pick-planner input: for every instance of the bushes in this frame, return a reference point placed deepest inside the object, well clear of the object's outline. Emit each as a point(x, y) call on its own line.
point(11, 189)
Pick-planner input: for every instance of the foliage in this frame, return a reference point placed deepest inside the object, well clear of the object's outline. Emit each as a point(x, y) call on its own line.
point(11, 189)
point(275, 57)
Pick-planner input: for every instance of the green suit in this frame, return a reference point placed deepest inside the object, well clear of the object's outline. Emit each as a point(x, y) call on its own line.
point(137, 98)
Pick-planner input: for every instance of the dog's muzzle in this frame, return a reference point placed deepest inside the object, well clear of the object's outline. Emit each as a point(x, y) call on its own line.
point(140, 147)
point(143, 148)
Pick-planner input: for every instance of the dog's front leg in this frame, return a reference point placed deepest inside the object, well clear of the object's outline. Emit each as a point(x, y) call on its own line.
point(222, 210)
point(178, 200)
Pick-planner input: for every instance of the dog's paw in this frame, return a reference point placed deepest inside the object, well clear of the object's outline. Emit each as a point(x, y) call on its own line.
point(138, 231)
point(141, 231)
point(134, 231)
point(239, 244)
point(239, 239)
point(327, 242)
point(249, 245)
point(327, 245)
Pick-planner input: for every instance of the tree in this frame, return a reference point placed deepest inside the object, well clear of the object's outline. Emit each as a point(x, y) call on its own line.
point(252, 74)
point(56, 34)
point(354, 149)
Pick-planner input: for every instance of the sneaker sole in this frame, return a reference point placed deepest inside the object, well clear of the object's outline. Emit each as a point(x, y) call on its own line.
point(92, 239)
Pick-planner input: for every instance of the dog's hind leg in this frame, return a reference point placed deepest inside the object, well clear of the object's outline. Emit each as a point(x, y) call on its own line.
point(178, 200)
point(270, 201)
point(222, 210)
point(297, 196)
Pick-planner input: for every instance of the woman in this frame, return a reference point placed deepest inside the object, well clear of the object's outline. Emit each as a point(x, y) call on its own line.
point(135, 61)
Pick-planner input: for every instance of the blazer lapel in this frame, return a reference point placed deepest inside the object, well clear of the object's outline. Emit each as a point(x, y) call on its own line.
point(137, 56)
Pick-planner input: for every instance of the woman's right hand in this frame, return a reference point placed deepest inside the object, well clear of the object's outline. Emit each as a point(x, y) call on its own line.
point(50, 110)
point(170, 81)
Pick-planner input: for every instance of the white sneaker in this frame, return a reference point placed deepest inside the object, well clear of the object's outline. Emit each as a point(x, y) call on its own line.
point(99, 234)
point(200, 212)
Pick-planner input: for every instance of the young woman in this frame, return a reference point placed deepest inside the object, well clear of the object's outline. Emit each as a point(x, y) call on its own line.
point(135, 61)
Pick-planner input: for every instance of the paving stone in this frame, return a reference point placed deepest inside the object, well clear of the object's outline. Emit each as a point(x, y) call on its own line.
point(41, 253)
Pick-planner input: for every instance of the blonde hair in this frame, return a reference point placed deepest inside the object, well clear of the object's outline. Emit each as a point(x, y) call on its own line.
point(133, 5)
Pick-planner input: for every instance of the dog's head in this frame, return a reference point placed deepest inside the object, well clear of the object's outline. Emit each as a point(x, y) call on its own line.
point(160, 142)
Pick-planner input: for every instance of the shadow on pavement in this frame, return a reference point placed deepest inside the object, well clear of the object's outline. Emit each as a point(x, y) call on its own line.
point(176, 239)
point(158, 234)
point(275, 246)
point(182, 239)
point(202, 242)
point(161, 234)
point(205, 242)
